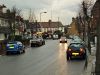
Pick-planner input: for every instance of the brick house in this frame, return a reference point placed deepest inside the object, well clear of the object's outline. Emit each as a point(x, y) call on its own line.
point(73, 29)
point(95, 16)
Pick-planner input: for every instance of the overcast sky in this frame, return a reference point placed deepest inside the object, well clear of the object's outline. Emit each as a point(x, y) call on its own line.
point(64, 9)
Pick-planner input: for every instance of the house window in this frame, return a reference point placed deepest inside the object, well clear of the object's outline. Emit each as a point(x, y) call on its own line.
point(45, 30)
point(2, 23)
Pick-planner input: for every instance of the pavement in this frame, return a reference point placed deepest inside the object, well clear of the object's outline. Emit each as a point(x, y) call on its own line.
point(90, 69)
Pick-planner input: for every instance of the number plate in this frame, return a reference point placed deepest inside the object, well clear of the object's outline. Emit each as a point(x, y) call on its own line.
point(11, 46)
point(75, 54)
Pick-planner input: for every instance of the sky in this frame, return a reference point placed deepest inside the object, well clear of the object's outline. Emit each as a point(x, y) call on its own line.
point(57, 10)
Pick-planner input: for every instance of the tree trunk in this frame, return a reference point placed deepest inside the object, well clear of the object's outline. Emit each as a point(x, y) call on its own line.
point(97, 68)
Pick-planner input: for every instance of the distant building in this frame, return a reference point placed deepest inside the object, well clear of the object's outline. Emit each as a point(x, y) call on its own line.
point(73, 29)
point(51, 26)
point(33, 27)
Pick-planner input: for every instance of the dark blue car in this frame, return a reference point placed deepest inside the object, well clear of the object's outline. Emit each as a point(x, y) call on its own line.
point(76, 50)
point(15, 47)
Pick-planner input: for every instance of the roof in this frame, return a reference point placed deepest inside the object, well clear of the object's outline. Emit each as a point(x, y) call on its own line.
point(33, 25)
point(51, 24)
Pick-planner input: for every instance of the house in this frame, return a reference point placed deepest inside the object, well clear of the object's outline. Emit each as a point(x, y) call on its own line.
point(32, 27)
point(51, 26)
point(4, 26)
point(73, 29)
point(10, 24)
point(66, 27)
point(95, 16)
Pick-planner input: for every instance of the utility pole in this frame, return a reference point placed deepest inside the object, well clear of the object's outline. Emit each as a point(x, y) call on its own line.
point(84, 19)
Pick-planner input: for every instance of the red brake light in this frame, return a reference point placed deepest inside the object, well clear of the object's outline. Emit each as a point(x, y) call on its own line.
point(81, 49)
point(69, 49)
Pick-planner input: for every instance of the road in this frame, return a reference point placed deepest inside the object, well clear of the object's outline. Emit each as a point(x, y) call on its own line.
point(49, 59)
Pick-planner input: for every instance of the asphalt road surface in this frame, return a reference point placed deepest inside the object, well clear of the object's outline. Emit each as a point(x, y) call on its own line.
point(49, 59)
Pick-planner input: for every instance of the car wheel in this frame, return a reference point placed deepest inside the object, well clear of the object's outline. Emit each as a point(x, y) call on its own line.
point(68, 57)
point(41, 44)
point(23, 51)
point(31, 45)
point(84, 56)
point(19, 52)
point(7, 52)
point(44, 43)
point(38, 44)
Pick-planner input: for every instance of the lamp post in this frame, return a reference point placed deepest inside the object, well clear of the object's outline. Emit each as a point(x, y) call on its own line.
point(41, 14)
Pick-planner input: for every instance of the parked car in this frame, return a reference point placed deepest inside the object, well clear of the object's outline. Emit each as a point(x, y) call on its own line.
point(78, 40)
point(76, 50)
point(55, 36)
point(37, 41)
point(15, 47)
point(63, 39)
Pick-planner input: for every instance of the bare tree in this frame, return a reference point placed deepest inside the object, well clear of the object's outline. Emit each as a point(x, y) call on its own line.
point(11, 16)
point(84, 19)
point(32, 17)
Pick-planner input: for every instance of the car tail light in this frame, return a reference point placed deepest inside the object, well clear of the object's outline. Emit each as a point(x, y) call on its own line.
point(81, 50)
point(69, 49)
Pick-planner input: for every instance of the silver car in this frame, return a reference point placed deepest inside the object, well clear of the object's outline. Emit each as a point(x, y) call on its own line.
point(63, 39)
point(38, 41)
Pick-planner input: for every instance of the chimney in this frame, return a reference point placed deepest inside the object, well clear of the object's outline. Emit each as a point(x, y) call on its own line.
point(73, 19)
point(50, 21)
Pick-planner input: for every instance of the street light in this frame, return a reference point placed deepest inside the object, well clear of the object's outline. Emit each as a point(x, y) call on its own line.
point(40, 15)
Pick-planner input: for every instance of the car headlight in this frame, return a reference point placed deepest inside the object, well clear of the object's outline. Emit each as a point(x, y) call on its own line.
point(8, 45)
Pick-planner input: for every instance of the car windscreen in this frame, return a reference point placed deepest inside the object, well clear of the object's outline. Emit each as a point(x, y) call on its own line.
point(76, 46)
point(11, 42)
point(63, 37)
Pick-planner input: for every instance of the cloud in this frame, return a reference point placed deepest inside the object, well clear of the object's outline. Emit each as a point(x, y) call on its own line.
point(64, 9)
